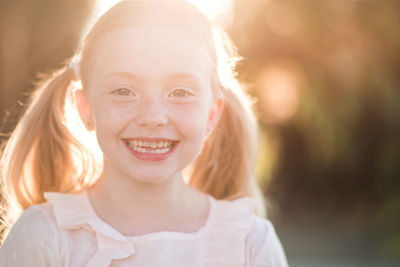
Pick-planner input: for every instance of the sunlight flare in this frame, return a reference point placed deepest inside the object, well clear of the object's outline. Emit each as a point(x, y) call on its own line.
point(219, 11)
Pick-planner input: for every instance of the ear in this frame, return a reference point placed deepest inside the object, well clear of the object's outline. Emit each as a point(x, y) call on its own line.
point(215, 114)
point(84, 109)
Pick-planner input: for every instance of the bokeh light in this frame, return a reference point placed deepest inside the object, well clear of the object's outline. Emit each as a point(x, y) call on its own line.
point(278, 89)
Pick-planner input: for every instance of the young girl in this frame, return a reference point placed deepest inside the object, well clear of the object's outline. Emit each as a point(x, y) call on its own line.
point(154, 82)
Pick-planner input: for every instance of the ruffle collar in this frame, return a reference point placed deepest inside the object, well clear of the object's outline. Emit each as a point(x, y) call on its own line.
point(225, 230)
point(225, 241)
point(75, 211)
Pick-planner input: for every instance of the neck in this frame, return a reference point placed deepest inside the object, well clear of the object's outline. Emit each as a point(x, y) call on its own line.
point(119, 193)
point(134, 207)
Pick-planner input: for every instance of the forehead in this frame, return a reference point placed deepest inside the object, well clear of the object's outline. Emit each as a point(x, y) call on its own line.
point(149, 52)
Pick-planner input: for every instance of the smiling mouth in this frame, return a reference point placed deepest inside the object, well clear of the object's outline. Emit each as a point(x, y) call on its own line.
point(151, 147)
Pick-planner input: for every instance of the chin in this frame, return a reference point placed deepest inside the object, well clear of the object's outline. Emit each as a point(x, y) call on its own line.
point(153, 180)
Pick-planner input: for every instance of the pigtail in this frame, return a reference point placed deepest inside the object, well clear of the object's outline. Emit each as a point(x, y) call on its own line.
point(38, 156)
point(225, 167)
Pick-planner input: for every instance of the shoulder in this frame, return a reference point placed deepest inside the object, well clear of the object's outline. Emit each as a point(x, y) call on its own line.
point(233, 214)
point(263, 245)
point(32, 240)
point(246, 237)
point(34, 221)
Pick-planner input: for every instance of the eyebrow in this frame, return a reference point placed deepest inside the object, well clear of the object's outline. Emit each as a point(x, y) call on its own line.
point(180, 75)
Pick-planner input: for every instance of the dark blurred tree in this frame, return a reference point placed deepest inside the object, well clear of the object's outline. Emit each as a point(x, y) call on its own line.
point(35, 36)
point(337, 63)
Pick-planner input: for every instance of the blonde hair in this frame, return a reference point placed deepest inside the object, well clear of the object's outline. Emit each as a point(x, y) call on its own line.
point(43, 153)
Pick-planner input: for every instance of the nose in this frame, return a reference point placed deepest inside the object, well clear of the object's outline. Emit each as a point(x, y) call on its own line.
point(151, 113)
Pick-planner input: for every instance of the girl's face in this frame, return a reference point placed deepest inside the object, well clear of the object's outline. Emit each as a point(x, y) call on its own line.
point(150, 101)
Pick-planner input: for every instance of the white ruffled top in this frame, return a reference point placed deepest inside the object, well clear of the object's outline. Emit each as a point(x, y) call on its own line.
point(67, 232)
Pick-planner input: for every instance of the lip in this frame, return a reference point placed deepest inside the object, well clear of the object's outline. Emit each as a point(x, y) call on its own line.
point(151, 139)
point(150, 156)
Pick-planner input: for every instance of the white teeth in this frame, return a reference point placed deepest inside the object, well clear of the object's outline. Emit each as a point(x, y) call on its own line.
point(152, 151)
point(150, 147)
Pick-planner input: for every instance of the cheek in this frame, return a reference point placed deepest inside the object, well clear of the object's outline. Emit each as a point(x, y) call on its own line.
point(191, 119)
point(111, 117)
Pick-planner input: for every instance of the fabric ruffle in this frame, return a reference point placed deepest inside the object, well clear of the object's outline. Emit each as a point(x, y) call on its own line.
point(225, 240)
point(74, 212)
point(222, 239)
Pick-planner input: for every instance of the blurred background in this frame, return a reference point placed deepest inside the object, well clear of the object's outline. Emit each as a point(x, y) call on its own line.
point(326, 76)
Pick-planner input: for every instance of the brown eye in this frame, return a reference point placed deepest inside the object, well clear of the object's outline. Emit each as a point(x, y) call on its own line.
point(180, 93)
point(123, 92)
